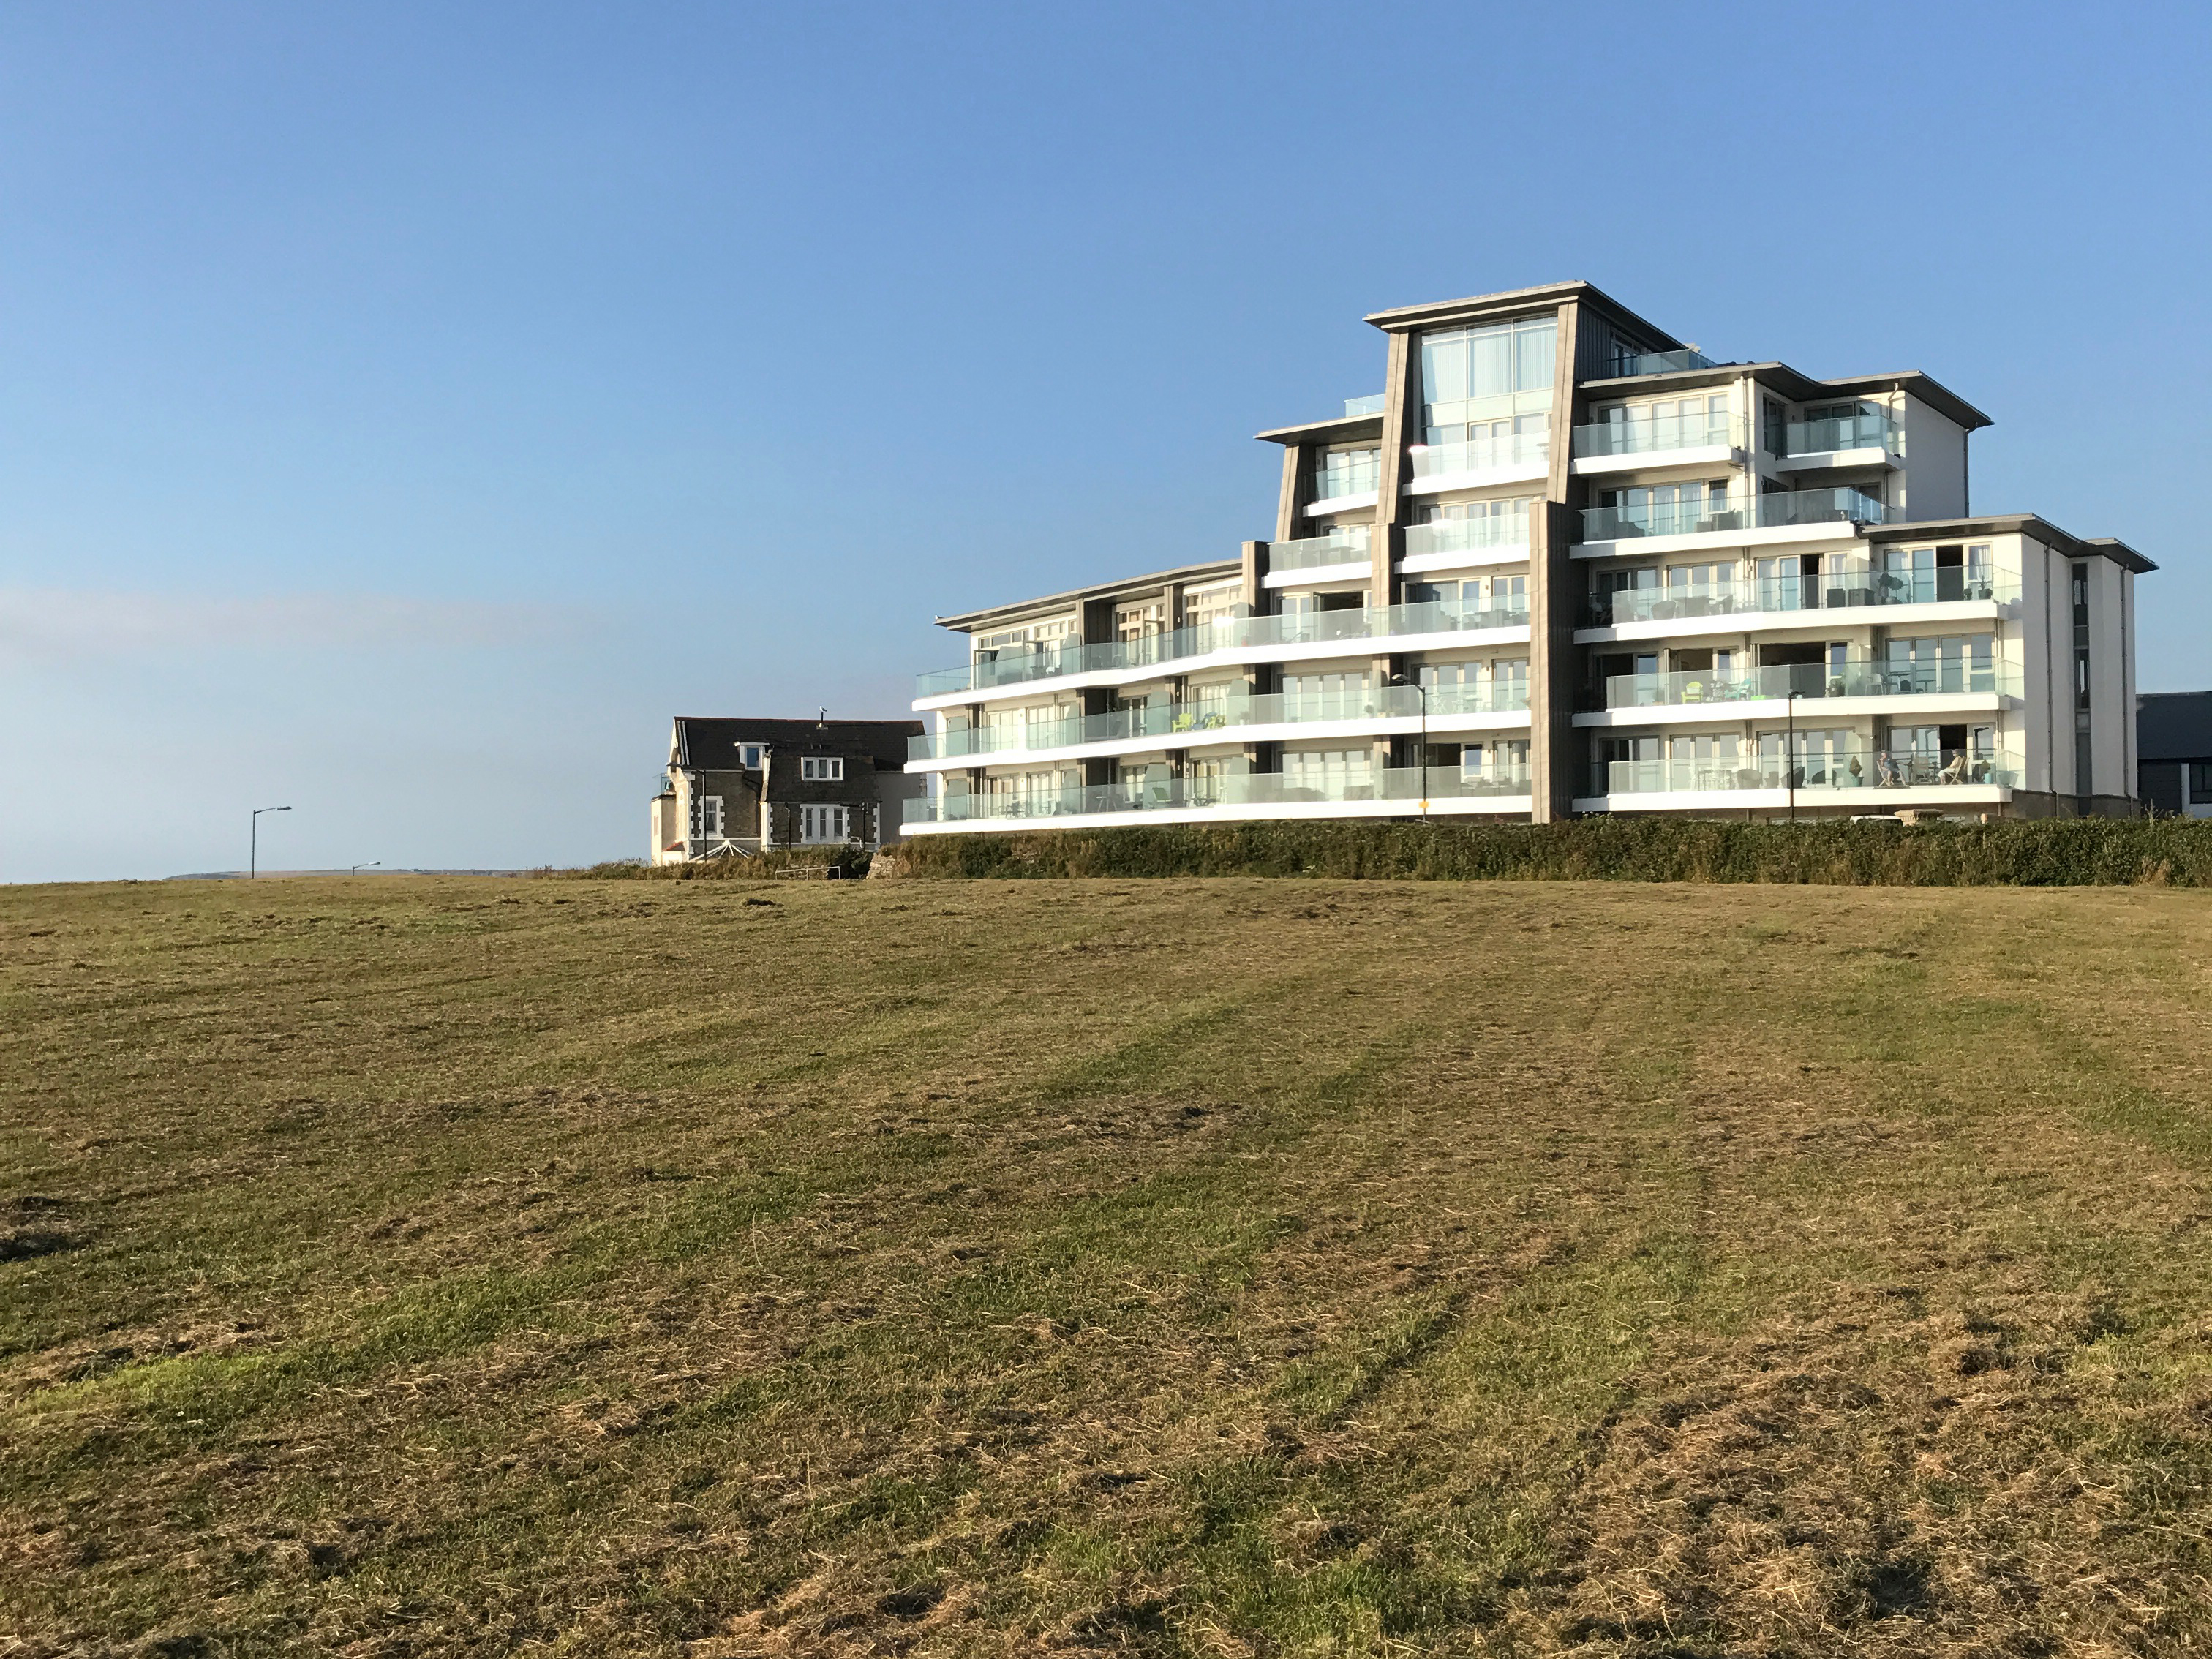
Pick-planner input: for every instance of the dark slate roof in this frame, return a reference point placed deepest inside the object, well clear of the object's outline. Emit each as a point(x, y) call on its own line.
point(2173, 725)
point(711, 744)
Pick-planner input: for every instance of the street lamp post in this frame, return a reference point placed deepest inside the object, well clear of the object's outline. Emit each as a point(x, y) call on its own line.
point(1789, 757)
point(253, 838)
point(371, 864)
point(1400, 679)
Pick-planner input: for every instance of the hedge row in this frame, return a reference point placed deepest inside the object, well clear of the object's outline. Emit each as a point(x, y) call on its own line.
point(779, 862)
point(2016, 853)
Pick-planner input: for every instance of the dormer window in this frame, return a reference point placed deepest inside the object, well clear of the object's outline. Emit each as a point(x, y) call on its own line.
point(822, 768)
point(749, 757)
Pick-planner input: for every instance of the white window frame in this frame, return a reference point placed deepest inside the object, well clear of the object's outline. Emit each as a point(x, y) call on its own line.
point(825, 823)
point(822, 768)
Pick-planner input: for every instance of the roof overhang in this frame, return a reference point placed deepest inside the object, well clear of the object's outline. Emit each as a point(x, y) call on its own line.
point(2023, 524)
point(1343, 429)
point(1801, 388)
point(1518, 301)
point(1130, 586)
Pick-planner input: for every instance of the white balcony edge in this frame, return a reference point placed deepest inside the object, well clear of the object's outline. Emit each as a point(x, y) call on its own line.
point(1480, 478)
point(1380, 645)
point(1820, 621)
point(1234, 737)
point(1837, 460)
point(1659, 546)
point(1341, 504)
point(1489, 806)
point(1653, 460)
point(1811, 711)
point(1466, 559)
point(1777, 800)
point(1350, 572)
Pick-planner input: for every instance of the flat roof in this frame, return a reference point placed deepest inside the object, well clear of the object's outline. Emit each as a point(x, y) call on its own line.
point(1803, 388)
point(2173, 725)
point(2008, 524)
point(1344, 425)
point(967, 621)
point(1398, 319)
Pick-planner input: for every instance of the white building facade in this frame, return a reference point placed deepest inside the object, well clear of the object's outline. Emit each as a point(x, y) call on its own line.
point(1562, 565)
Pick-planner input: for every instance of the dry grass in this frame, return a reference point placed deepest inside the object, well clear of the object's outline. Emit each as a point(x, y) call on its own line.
point(401, 1266)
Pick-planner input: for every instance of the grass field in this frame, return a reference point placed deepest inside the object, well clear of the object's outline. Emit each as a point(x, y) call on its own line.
point(418, 1265)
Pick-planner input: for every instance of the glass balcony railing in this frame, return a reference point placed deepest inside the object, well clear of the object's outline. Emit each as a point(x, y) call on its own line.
point(1516, 449)
point(1410, 784)
point(1195, 722)
point(1653, 434)
point(1847, 587)
point(1350, 544)
point(1845, 432)
point(1067, 657)
point(1356, 477)
point(1468, 535)
point(1661, 363)
point(1698, 517)
point(1856, 769)
point(1694, 687)
point(1370, 404)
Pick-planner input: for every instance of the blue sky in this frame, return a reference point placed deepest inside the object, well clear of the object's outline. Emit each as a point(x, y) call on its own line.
point(406, 408)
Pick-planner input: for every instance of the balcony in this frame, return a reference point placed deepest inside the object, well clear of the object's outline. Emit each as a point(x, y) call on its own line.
point(1230, 633)
point(1706, 688)
point(1178, 725)
point(1846, 588)
point(1370, 404)
point(1658, 434)
point(1842, 433)
point(1660, 363)
point(1521, 454)
point(1859, 769)
point(1409, 785)
point(1348, 544)
point(1776, 511)
point(1349, 476)
point(1467, 535)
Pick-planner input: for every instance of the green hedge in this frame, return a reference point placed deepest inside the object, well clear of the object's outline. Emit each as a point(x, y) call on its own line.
point(2017, 853)
point(762, 866)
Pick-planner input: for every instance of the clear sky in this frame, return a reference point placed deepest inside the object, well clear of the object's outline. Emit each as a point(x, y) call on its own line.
point(405, 409)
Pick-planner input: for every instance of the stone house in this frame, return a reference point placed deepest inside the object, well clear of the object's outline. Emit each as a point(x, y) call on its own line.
point(734, 787)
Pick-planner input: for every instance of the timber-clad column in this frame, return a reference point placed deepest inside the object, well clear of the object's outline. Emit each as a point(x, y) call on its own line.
point(1401, 414)
point(1297, 491)
point(1251, 570)
point(1554, 600)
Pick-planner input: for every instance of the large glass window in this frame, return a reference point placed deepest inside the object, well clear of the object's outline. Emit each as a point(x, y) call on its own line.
point(1326, 696)
point(1329, 774)
point(1950, 663)
point(1471, 377)
point(1347, 472)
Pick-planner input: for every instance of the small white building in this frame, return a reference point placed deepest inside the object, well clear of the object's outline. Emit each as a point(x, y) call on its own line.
point(1565, 564)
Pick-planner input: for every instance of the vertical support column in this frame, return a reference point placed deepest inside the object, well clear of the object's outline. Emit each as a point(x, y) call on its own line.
point(1554, 599)
point(1401, 414)
point(1297, 490)
point(1253, 567)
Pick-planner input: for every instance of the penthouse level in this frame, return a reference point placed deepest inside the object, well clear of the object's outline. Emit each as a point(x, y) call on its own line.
point(1566, 563)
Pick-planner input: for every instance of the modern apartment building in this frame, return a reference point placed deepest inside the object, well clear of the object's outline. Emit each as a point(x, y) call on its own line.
point(1565, 563)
